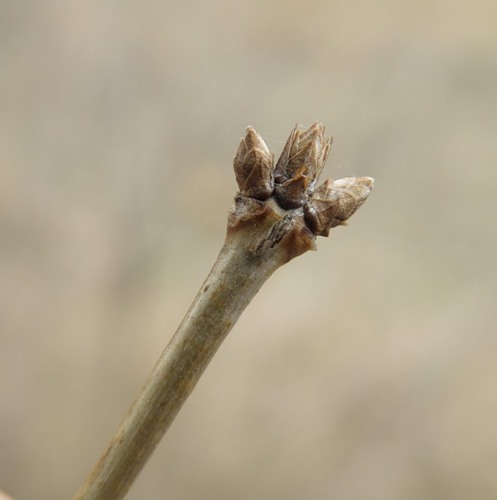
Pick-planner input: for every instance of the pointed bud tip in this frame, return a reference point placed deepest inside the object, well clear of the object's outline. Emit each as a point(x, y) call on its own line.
point(366, 182)
point(367, 185)
point(318, 126)
point(253, 139)
point(251, 132)
point(359, 185)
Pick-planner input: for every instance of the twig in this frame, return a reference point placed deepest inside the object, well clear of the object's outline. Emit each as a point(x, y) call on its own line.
point(276, 217)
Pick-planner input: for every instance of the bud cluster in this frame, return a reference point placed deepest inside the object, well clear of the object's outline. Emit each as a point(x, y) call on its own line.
point(292, 182)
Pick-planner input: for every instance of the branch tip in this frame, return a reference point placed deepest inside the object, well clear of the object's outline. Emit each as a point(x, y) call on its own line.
point(292, 181)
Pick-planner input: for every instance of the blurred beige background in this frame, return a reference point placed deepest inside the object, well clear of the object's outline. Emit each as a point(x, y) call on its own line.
point(366, 370)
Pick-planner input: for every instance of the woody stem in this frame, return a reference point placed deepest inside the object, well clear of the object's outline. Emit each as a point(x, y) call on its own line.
point(248, 257)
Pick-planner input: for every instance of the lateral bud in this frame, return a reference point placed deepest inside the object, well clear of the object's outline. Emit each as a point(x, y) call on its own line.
point(333, 203)
point(253, 165)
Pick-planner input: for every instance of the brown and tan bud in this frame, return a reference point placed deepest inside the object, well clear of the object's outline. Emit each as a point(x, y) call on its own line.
point(253, 165)
point(300, 164)
point(333, 203)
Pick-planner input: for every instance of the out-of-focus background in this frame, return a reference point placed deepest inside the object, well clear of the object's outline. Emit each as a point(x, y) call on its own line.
point(367, 369)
